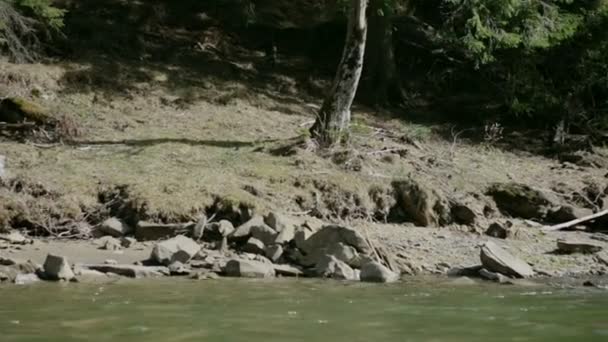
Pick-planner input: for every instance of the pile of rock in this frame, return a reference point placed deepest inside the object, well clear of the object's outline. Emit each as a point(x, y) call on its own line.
point(262, 247)
point(279, 244)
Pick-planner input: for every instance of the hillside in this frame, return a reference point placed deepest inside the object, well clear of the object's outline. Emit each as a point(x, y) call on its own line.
point(207, 126)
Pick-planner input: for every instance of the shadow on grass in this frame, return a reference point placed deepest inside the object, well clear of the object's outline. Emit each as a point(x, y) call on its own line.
point(159, 141)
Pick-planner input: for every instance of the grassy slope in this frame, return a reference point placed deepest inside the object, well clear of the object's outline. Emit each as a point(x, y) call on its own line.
point(181, 132)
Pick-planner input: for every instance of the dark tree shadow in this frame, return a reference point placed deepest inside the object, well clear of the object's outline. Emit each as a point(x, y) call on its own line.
point(194, 44)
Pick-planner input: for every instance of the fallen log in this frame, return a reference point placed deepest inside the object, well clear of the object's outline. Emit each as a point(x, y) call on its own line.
point(577, 221)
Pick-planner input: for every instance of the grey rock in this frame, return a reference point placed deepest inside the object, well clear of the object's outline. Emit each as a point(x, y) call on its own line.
point(112, 244)
point(9, 273)
point(331, 267)
point(19, 266)
point(199, 228)
point(110, 262)
point(570, 246)
point(346, 253)
point(500, 230)
point(463, 213)
point(254, 246)
point(301, 235)
point(329, 236)
point(288, 270)
point(225, 228)
point(280, 222)
point(244, 230)
point(496, 259)
point(86, 275)
point(149, 231)
point(248, 269)
point(128, 242)
point(274, 252)
point(264, 233)
point(287, 234)
point(179, 248)
point(57, 268)
point(26, 279)
point(313, 224)
point(115, 227)
point(178, 268)
point(15, 238)
point(131, 271)
point(223, 247)
point(493, 276)
point(378, 273)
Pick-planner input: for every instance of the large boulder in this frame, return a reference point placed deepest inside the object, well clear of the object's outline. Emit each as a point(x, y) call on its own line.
point(341, 242)
point(218, 230)
point(377, 273)
point(225, 227)
point(244, 230)
point(114, 227)
point(179, 248)
point(495, 259)
point(331, 235)
point(280, 222)
point(249, 269)
point(301, 235)
point(583, 246)
point(254, 246)
point(264, 233)
point(421, 204)
point(501, 230)
point(274, 252)
point(329, 266)
point(520, 200)
point(288, 233)
point(57, 268)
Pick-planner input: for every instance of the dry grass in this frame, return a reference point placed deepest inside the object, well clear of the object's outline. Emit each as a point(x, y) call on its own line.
point(177, 156)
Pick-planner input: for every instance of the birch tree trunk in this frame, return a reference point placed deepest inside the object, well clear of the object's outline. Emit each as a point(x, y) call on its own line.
point(333, 120)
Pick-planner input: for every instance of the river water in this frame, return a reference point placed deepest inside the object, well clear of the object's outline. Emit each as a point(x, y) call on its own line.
point(292, 310)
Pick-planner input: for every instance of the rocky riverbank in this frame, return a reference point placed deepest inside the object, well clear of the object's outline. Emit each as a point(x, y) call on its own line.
point(279, 245)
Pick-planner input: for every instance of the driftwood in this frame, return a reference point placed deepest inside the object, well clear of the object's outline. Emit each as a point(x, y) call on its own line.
point(577, 221)
point(4, 125)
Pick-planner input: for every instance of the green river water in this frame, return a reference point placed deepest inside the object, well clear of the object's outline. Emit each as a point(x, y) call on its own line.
point(291, 310)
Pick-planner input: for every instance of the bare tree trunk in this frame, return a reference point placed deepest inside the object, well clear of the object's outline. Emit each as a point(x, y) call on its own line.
point(333, 120)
